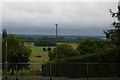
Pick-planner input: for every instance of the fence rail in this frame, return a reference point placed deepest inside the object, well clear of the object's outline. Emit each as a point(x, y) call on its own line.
point(62, 70)
point(81, 70)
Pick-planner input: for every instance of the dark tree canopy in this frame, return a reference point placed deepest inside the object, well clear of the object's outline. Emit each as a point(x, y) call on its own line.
point(17, 51)
point(63, 50)
point(114, 34)
point(44, 49)
point(48, 49)
point(88, 46)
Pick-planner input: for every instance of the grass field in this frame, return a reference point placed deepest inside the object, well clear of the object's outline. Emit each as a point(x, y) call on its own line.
point(38, 55)
point(43, 55)
point(37, 61)
point(74, 45)
point(40, 48)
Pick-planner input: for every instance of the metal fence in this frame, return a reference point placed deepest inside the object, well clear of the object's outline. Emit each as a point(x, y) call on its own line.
point(22, 70)
point(62, 71)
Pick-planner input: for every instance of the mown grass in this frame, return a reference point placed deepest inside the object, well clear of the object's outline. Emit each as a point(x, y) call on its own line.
point(38, 51)
point(43, 59)
point(74, 45)
point(40, 48)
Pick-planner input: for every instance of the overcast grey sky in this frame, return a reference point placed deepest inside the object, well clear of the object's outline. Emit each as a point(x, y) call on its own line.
point(73, 18)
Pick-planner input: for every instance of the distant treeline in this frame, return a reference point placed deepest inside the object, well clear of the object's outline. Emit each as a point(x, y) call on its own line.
point(50, 41)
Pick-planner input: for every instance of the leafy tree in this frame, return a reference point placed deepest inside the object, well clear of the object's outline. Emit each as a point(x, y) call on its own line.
point(63, 50)
point(114, 34)
point(17, 51)
point(52, 54)
point(88, 46)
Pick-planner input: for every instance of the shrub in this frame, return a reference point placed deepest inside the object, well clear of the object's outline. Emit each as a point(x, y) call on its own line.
point(88, 46)
point(49, 49)
point(44, 49)
point(63, 50)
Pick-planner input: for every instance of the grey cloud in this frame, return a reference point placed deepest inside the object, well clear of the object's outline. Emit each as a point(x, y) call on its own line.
point(73, 18)
point(28, 7)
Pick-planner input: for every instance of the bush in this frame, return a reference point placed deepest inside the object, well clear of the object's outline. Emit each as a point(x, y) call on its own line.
point(109, 55)
point(49, 49)
point(88, 46)
point(44, 49)
point(63, 50)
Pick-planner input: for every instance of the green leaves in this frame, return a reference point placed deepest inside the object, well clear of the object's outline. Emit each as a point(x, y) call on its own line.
point(63, 50)
point(88, 46)
point(16, 49)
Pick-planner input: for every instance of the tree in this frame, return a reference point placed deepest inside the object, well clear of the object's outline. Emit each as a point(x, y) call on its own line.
point(63, 50)
point(114, 34)
point(88, 46)
point(17, 51)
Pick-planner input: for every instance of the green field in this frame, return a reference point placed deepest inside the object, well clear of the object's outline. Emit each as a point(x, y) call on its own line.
point(74, 45)
point(40, 48)
point(43, 59)
point(38, 51)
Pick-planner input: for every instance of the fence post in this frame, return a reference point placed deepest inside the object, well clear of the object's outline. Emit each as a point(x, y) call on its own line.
point(87, 71)
point(16, 71)
point(50, 71)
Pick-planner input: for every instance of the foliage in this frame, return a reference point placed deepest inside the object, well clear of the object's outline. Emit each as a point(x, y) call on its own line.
point(114, 34)
point(49, 40)
point(109, 55)
point(17, 51)
point(63, 50)
point(49, 49)
point(44, 49)
point(45, 41)
point(27, 38)
point(88, 46)
point(52, 54)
